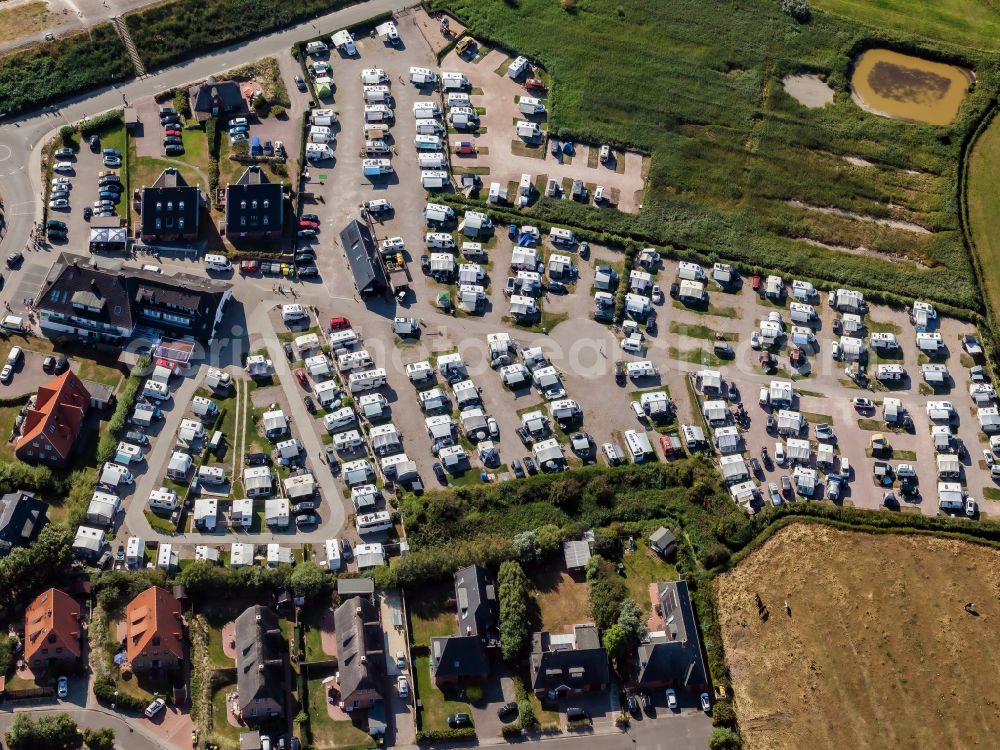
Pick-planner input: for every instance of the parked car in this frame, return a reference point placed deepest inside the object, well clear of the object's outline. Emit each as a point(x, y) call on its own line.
point(62, 364)
point(155, 707)
point(289, 352)
point(59, 203)
point(862, 404)
point(515, 466)
point(300, 83)
point(402, 687)
point(439, 472)
point(95, 143)
point(671, 699)
point(304, 507)
point(459, 720)
point(508, 711)
point(824, 431)
point(310, 405)
point(529, 465)
point(62, 687)
point(706, 703)
point(15, 259)
point(63, 166)
point(64, 153)
point(308, 519)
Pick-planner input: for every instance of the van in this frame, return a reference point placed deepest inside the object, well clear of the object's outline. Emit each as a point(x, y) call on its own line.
point(779, 453)
point(458, 99)
point(377, 95)
point(204, 407)
point(293, 312)
point(439, 240)
point(373, 77)
point(529, 131)
point(316, 48)
point(366, 381)
point(454, 81)
point(433, 179)
point(560, 236)
point(427, 142)
point(422, 76)
point(425, 110)
point(212, 474)
point(690, 271)
point(373, 523)
point(431, 160)
point(517, 68)
point(339, 419)
point(345, 442)
point(530, 106)
point(218, 263)
point(765, 396)
point(429, 127)
point(154, 390)
point(378, 113)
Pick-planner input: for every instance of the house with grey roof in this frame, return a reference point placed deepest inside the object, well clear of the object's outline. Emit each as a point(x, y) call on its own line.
point(359, 653)
point(260, 665)
point(22, 516)
point(564, 664)
point(465, 657)
point(672, 656)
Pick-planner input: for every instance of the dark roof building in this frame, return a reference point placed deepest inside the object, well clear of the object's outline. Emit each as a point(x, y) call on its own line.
point(362, 256)
point(104, 302)
point(255, 207)
point(576, 554)
point(672, 656)
point(359, 652)
point(22, 516)
point(663, 541)
point(565, 664)
point(215, 98)
point(260, 664)
point(170, 209)
point(466, 656)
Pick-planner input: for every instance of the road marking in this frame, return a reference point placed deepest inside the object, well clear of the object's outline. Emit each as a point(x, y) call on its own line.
point(6, 152)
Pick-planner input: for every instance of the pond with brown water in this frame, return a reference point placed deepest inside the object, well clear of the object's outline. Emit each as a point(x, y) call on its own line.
point(892, 84)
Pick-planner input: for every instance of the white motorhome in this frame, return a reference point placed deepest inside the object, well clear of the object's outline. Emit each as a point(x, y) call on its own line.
point(366, 381)
point(458, 99)
point(374, 76)
point(293, 312)
point(451, 80)
point(377, 95)
point(422, 76)
point(155, 390)
point(218, 263)
point(431, 160)
point(425, 110)
point(433, 179)
point(530, 106)
point(378, 113)
point(429, 127)
point(374, 523)
point(439, 240)
point(529, 131)
point(518, 67)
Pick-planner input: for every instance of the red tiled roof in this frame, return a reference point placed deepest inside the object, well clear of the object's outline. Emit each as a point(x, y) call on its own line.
point(153, 613)
point(58, 413)
point(53, 615)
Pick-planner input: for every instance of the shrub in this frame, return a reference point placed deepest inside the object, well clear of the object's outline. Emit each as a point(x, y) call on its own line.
point(724, 738)
point(797, 9)
point(278, 111)
point(510, 731)
point(526, 714)
point(102, 121)
point(182, 102)
point(104, 691)
point(446, 735)
point(723, 714)
point(66, 132)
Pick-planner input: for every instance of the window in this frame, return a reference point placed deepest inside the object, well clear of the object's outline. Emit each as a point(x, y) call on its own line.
point(243, 204)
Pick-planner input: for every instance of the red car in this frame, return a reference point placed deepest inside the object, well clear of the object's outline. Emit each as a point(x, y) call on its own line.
point(300, 375)
point(339, 324)
point(173, 132)
point(306, 224)
point(756, 283)
point(534, 84)
point(249, 266)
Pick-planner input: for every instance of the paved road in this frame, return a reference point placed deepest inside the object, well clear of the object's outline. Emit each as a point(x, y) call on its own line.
point(21, 138)
point(128, 735)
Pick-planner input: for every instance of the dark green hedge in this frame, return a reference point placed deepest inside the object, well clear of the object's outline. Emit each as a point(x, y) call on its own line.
point(446, 735)
point(55, 70)
point(104, 691)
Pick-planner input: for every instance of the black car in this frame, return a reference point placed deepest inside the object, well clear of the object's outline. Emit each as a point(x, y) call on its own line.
point(307, 271)
point(304, 507)
point(557, 287)
point(172, 140)
point(48, 364)
point(439, 472)
point(425, 263)
point(675, 289)
point(620, 377)
point(459, 720)
point(289, 352)
point(310, 217)
point(310, 406)
point(134, 436)
point(95, 143)
point(120, 553)
point(257, 459)
point(515, 465)
point(529, 465)
point(331, 454)
point(508, 710)
point(305, 255)
point(173, 150)
point(575, 714)
point(87, 213)
point(268, 149)
point(346, 550)
point(15, 259)
point(57, 234)
point(62, 364)
point(55, 224)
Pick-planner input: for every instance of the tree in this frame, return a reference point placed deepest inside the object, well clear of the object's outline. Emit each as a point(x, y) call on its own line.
point(309, 580)
point(723, 714)
point(513, 596)
point(526, 544)
point(526, 714)
point(632, 622)
point(99, 739)
point(550, 539)
point(724, 738)
point(616, 641)
point(58, 732)
point(202, 577)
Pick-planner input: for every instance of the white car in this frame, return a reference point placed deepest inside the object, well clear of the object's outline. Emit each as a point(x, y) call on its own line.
point(755, 340)
point(706, 703)
point(632, 345)
point(59, 203)
point(379, 206)
point(493, 427)
point(62, 687)
point(671, 699)
point(402, 686)
point(6, 374)
point(988, 455)
point(64, 181)
point(861, 403)
point(639, 412)
point(657, 294)
point(835, 350)
point(112, 161)
point(63, 166)
point(599, 196)
point(970, 507)
point(155, 707)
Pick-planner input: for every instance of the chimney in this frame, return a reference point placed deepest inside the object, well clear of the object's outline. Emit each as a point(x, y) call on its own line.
point(468, 630)
point(357, 611)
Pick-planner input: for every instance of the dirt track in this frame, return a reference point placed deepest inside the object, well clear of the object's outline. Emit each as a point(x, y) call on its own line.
point(878, 651)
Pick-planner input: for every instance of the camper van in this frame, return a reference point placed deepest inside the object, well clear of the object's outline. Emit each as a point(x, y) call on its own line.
point(431, 160)
point(458, 99)
point(354, 361)
point(316, 48)
point(344, 42)
point(517, 68)
point(322, 114)
point(212, 474)
point(427, 142)
point(436, 213)
point(218, 263)
point(560, 236)
point(345, 442)
point(340, 419)
point(439, 240)
point(529, 131)
point(429, 127)
point(218, 380)
point(425, 110)
point(157, 391)
point(204, 407)
point(374, 167)
point(378, 113)
point(293, 312)
point(377, 95)
point(368, 380)
point(454, 81)
point(690, 271)
point(376, 148)
point(343, 339)
point(373, 77)
point(320, 134)
point(463, 117)
point(433, 179)
point(530, 106)
point(422, 76)
point(318, 152)
point(373, 523)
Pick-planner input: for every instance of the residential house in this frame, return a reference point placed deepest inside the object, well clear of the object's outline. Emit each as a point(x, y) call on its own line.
point(106, 303)
point(255, 207)
point(359, 653)
point(154, 631)
point(671, 657)
point(564, 664)
point(52, 632)
point(260, 665)
point(22, 516)
point(53, 423)
point(169, 209)
point(215, 99)
point(466, 656)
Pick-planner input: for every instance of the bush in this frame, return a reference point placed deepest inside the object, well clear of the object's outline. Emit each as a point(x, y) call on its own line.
point(514, 594)
point(724, 739)
point(446, 735)
point(182, 102)
point(278, 111)
point(797, 9)
point(102, 121)
point(723, 714)
point(510, 731)
point(66, 132)
point(104, 691)
point(526, 714)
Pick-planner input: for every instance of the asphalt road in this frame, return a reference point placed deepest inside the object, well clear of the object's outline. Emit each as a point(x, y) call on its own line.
point(126, 737)
point(22, 137)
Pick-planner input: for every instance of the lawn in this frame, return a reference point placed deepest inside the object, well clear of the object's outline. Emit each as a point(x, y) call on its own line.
point(737, 163)
point(25, 20)
point(431, 614)
point(326, 732)
point(970, 23)
point(861, 634)
point(220, 724)
point(436, 705)
point(642, 568)
point(983, 199)
point(562, 601)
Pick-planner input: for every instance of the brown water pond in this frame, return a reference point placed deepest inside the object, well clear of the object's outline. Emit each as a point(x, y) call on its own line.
point(892, 84)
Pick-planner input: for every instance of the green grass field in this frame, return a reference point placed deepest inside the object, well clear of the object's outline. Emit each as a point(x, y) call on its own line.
point(973, 23)
point(698, 84)
point(983, 199)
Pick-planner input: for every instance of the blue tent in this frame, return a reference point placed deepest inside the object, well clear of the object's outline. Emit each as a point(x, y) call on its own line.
point(526, 240)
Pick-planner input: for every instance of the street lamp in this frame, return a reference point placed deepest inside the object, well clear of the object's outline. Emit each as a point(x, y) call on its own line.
point(115, 701)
